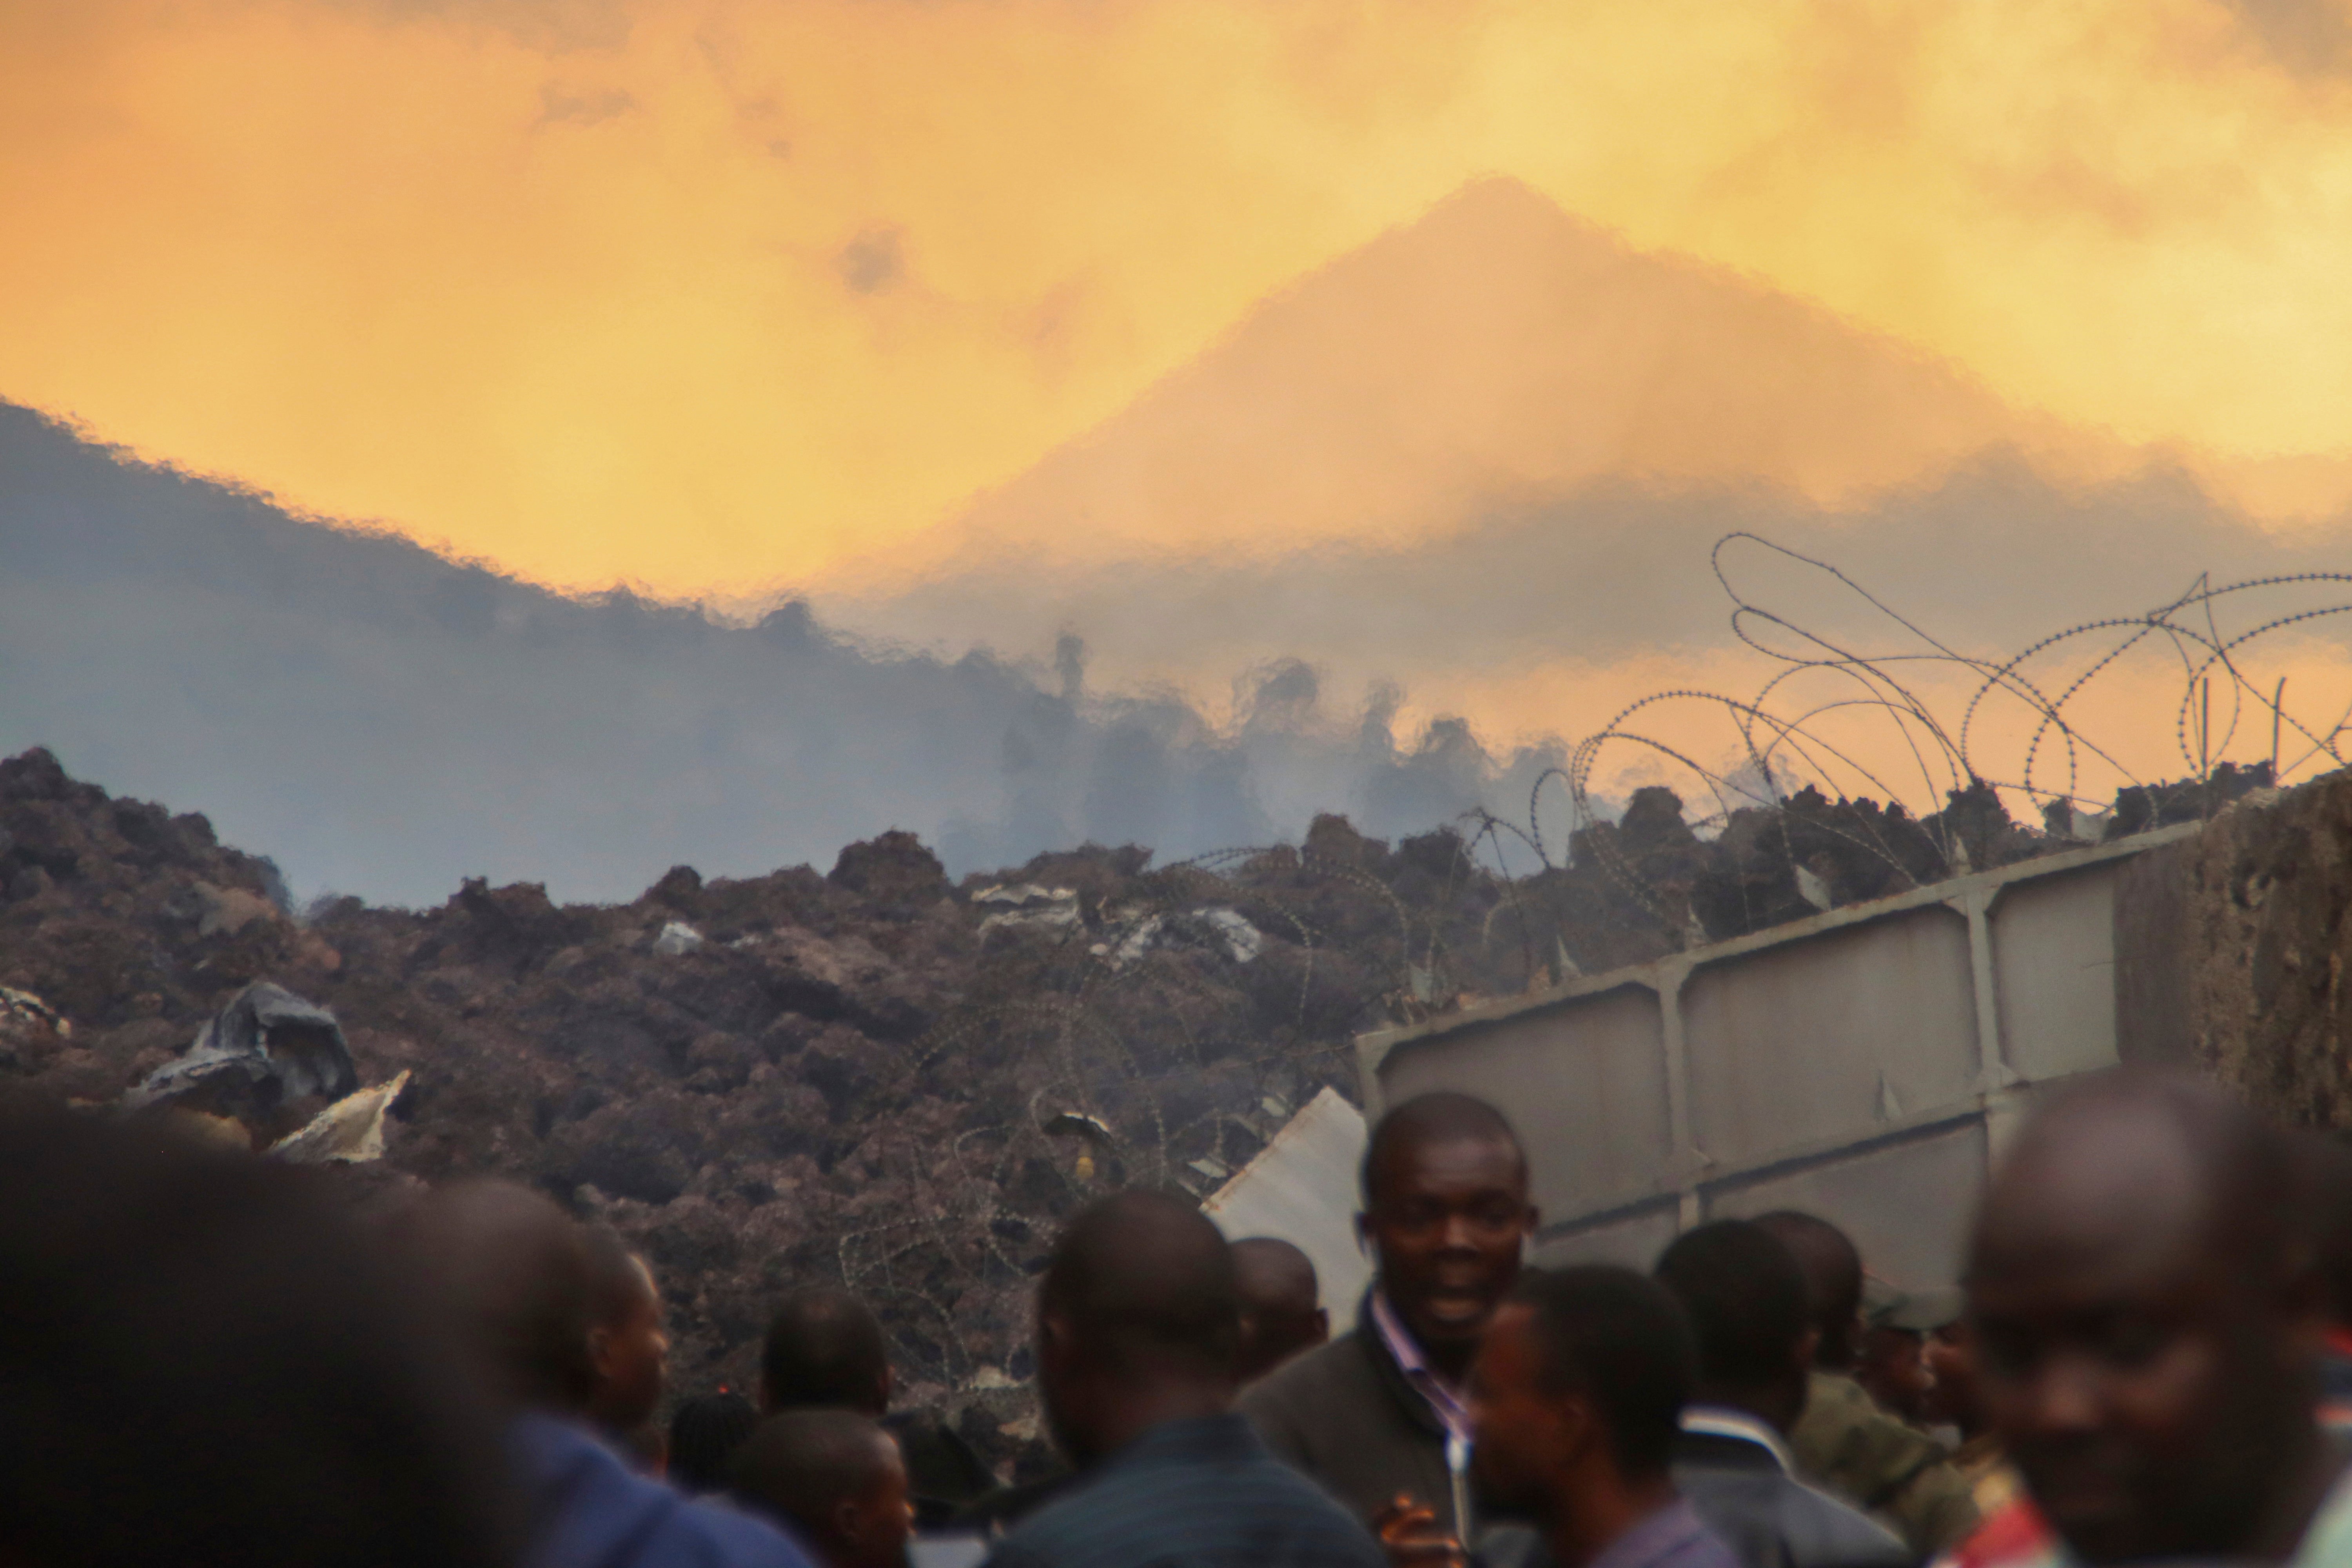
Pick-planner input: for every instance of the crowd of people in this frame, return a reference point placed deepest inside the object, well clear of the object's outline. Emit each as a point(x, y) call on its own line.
point(2149, 1358)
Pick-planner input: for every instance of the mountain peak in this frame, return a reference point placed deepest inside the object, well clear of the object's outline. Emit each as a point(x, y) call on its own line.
point(1493, 349)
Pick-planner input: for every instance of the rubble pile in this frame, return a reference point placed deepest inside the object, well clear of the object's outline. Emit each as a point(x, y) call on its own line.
point(873, 1076)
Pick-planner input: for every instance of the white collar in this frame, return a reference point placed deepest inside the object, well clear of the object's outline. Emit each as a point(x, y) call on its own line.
point(1722, 1421)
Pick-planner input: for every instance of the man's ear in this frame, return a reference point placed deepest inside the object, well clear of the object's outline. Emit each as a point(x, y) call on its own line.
point(849, 1521)
point(1322, 1323)
point(599, 1349)
point(1808, 1344)
point(1054, 1340)
point(1576, 1424)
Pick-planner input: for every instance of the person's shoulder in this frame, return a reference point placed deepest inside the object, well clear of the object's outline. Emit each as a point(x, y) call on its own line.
point(1295, 1507)
point(2327, 1541)
point(1833, 1398)
point(593, 1509)
point(1828, 1533)
point(1339, 1363)
point(729, 1538)
point(1706, 1549)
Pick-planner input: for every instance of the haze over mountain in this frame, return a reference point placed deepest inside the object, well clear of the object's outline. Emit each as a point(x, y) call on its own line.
point(1487, 454)
point(1475, 468)
point(1493, 351)
point(385, 722)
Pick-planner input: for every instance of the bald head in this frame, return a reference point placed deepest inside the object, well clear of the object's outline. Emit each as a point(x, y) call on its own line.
point(1446, 1211)
point(2135, 1174)
point(1833, 1270)
point(824, 1347)
point(1138, 1317)
point(1426, 1120)
point(2148, 1321)
point(1281, 1305)
point(834, 1476)
point(519, 1276)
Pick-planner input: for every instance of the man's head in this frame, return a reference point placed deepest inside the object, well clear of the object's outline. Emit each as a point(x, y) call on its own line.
point(837, 1478)
point(1136, 1321)
point(824, 1347)
point(628, 1342)
point(1833, 1269)
point(2325, 1161)
point(1282, 1310)
point(1578, 1385)
point(1952, 1387)
point(1446, 1207)
point(2146, 1319)
point(200, 1362)
point(1895, 1368)
point(518, 1279)
point(1745, 1300)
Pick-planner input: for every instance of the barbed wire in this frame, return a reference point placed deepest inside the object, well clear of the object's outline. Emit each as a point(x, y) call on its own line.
point(1124, 1018)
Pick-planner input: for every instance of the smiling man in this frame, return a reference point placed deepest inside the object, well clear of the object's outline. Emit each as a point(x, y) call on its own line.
point(1380, 1417)
point(2148, 1325)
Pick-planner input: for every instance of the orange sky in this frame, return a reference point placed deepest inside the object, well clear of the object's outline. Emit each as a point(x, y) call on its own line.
point(704, 294)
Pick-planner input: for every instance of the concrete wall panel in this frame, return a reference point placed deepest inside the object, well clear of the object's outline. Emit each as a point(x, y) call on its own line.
point(1840, 1063)
point(2053, 956)
point(1635, 1240)
point(1584, 1083)
point(1812, 1041)
point(1907, 1204)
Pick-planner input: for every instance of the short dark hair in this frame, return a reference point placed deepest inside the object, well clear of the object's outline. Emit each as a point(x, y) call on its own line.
point(1830, 1262)
point(1745, 1296)
point(799, 1464)
point(177, 1325)
point(1442, 1116)
point(824, 1347)
point(703, 1435)
point(516, 1273)
point(1143, 1276)
point(1623, 1339)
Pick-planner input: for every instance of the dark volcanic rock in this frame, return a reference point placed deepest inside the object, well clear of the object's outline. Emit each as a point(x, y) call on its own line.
point(833, 1076)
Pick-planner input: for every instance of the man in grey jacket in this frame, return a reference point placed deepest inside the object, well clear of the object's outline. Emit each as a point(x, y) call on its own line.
point(1746, 1299)
point(1379, 1417)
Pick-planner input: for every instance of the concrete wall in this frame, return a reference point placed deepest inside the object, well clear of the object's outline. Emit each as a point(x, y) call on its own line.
point(1862, 1065)
point(2235, 948)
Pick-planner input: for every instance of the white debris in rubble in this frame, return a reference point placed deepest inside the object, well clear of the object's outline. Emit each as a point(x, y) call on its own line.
point(350, 1130)
point(26, 1008)
point(2086, 827)
point(676, 938)
point(1813, 888)
point(1028, 907)
point(1229, 929)
point(1244, 940)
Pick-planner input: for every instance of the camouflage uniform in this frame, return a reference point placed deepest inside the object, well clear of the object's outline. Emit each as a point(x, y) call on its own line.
point(1846, 1443)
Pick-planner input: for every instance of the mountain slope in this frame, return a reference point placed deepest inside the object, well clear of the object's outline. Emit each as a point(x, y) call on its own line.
point(384, 722)
point(1495, 350)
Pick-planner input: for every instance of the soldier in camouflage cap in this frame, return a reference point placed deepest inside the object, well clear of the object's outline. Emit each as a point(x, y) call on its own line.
point(1844, 1441)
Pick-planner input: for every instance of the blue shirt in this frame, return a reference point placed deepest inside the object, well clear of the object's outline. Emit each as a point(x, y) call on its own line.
point(1200, 1493)
point(587, 1510)
point(1673, 1537)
